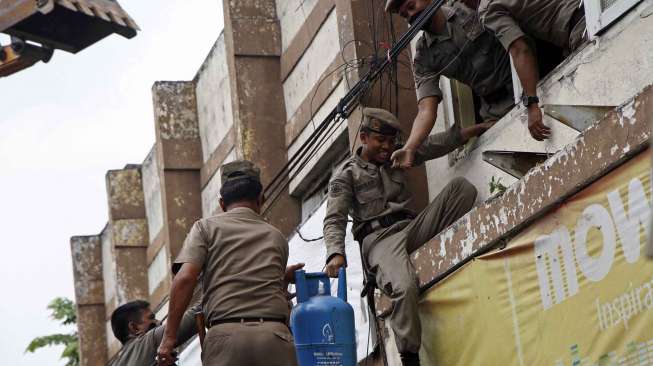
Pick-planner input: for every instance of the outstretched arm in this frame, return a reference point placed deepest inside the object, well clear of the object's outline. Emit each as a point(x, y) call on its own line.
point(525, 63)
point(335, 222)
point(442, 143)
point(181, 293)
point(427, 111)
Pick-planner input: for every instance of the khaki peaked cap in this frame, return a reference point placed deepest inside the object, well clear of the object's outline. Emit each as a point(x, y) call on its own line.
point(380, 121)
point(240, 169)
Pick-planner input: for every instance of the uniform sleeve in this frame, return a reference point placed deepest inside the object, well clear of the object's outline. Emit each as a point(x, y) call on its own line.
point(187, 327)
point(339, 202)
point(427, 82)
point(495, 15)
point(195, 248)
point(439, 144)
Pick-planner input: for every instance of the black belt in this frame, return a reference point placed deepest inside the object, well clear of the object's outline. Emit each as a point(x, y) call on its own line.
point(247, 320)
point(381, 223)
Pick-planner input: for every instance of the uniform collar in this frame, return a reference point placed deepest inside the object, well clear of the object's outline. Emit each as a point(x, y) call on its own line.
point(360, 161)
point(439, 37)
point(449, 13)
point(245, 211)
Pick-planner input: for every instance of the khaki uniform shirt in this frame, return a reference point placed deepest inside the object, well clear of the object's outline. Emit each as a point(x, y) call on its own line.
point(141, 351)
point(244, 260)
point(548, 20)
point(464, 52)
point(366, 191)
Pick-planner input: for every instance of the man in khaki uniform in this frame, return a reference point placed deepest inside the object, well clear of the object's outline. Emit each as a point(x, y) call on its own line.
point(135, 326)
point(454, 44)
point(376, 196)
point(245, 277)
point(560, 22)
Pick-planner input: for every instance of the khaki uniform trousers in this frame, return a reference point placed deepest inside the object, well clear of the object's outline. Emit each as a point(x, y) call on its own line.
point(387, 255)
point(249, 344)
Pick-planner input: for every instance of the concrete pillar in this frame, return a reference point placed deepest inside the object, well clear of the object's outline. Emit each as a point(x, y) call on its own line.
point(354, 22)
point(89, 298)
point(179, 160)
point(253, 45)
point(128, 231)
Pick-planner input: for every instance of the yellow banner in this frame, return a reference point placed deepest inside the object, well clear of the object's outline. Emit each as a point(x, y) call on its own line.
point(574, 288)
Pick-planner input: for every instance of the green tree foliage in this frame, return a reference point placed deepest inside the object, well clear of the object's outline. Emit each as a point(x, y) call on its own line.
point(63, 310)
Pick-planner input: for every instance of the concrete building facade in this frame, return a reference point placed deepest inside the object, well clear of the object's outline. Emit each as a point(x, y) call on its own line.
point(273, 75)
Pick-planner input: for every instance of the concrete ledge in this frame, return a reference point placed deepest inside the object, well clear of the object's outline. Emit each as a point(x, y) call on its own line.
point(157, 243)
point(217, 158)
point(620, 135)
point(305, 36)
point(319, 93)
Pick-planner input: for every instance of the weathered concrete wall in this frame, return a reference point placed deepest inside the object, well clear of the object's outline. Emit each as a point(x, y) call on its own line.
point(108, 268)
point(179, 159)
point(315, 60)
point(110, 286)
point(89, 299)
point(213, 93)
point(211, 192)
point(292, 15)
point(158, 270)
point(599, 74)
point(253, 44)
point(129, 238)
point(152, 194)
point(334, 144)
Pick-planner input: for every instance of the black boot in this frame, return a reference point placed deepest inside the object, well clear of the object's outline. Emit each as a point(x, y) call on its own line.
point(410, 359)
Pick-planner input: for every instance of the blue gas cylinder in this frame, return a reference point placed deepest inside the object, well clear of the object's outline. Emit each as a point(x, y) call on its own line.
point(323, 325)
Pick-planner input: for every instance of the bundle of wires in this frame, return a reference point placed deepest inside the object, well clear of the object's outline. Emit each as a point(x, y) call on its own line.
point(323, 132)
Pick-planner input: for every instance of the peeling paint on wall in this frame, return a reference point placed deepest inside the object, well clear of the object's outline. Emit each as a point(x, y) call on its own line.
point(130, 232)
point(124, 189)
point(316, 59)
point(152, 193)
point(213, 91)
point(175, 110)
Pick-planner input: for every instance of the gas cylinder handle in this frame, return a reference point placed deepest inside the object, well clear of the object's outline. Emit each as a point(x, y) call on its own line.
point(342, 284)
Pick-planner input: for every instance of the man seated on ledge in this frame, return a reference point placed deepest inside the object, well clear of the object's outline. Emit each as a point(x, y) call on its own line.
point(376, 196)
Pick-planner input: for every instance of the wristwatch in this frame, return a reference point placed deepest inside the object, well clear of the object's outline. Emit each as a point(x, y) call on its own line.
point(528, 100)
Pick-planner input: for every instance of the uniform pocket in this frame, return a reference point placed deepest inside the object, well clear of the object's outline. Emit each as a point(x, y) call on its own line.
point(284, 336)
point(216, 344)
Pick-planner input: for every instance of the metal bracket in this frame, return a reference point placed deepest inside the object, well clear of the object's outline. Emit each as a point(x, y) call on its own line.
point(578, 117)
point(515, 163)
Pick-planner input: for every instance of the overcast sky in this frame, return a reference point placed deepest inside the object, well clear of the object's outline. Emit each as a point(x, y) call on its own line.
point(62, 126)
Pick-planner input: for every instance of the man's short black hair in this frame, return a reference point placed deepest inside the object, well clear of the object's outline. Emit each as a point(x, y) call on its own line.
point(129, 312)
point(245, 189)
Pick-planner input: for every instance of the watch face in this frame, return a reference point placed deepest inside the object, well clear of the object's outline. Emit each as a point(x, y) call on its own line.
point(527, 100)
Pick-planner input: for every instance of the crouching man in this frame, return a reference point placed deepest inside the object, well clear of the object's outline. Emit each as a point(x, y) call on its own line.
point(140, 333)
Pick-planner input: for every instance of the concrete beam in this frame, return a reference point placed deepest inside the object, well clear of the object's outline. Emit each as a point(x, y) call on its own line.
point(89, 299)
point(129, 234)
point(179, 160)
point(177, 130)
point(257, 96)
